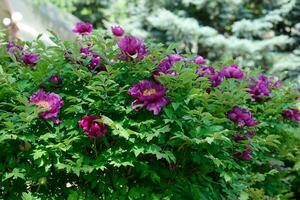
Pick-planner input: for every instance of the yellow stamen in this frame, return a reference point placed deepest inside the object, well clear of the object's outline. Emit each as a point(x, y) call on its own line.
point(43, 104)
point(149, 92)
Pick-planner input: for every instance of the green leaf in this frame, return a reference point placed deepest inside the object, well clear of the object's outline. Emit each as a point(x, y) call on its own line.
point(297, 166)
point(4, 137)
point(119, 163)
point(138, 150)
point(226, 176)
point(244, 196)
point(28, 196)
point(38, 153)
point(117, 128)
point(16, 173)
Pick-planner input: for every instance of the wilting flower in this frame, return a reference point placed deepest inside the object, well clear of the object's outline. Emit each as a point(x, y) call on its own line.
point(298, 94)
point(242, 117)
point(166, 64)
point(132, 47)
point(262, 87)
point(292, 114)
point(214, 77)
point(232, 71)
point(95, 60)
point(30, 58)
point(277, 84)
point(243, 136)
point(50, 102)
point(246, 154)
point(199, 60)
point(117, 30)
point(148, 94)
point(68, 57)
point(25, 146)
point(83, 28)
point(55, 79)
point(14, 49)
point(93, 128)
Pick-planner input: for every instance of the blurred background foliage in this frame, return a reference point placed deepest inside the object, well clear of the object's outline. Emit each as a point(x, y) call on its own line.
point(256, 33)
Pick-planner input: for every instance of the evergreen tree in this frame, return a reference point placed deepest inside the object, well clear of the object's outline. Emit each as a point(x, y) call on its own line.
point(256, 33)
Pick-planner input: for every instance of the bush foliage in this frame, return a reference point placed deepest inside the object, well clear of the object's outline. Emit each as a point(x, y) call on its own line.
point(189, 150)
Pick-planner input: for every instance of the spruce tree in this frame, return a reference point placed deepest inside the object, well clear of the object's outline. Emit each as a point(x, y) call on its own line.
point(256, 33)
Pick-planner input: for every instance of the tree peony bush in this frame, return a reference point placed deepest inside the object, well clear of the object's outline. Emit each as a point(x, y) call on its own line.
point(110, 116)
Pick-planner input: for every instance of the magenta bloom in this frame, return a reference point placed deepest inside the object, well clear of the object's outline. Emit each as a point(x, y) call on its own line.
point(30, 58)
point(117, 31)
point(292, 114)
point(95, 60)
point(262, 87)
point(50, 102)
point(166, 64)
point(83, 28)
point(242, 117)
point(148, 94)
point(92, 128)
point(132, 47)
point(232, 71)
point(55, 79)
point(214, 77)
point(199, 60)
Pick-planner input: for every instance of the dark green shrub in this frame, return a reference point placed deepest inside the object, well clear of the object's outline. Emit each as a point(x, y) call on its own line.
point(188, 149)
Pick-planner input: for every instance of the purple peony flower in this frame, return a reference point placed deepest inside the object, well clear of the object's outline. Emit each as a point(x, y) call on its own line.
point(199, 60)
point(148, 94)
point(83, 28)
point(95, 65)
point(292, 114)
point(117, 31)
point(242, 117)
point(55, 79)
point(132, 47)
point(232, 71)
point(92, 128)
point(50, 102)
point(30, 58)
point(262, 87)
point(166, 64)
point(214, 77)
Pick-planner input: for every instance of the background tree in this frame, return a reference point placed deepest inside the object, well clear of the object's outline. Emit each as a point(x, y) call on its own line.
point(260, 33)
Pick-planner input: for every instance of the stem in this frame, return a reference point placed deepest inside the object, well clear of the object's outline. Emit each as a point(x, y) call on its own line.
point(95, 147)
point(48, 126)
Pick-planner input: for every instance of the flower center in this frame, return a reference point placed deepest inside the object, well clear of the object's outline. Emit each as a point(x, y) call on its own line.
point(43, 104)
point(149, 92)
